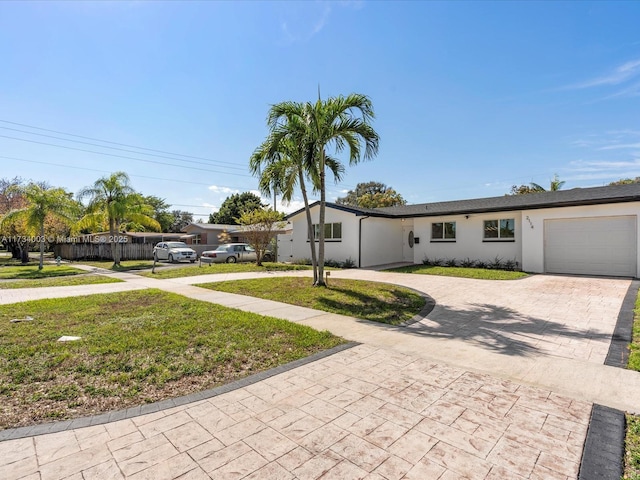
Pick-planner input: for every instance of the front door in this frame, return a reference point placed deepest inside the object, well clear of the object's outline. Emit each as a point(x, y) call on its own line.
point(407, 243)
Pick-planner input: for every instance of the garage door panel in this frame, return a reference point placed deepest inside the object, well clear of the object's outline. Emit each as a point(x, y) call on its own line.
point(591, 246)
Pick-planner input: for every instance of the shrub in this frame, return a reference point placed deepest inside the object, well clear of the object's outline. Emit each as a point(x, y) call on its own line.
point(452, 262)
point(496, 263)
point(467, 263)
point(349, 263)
point(510, 265)
point(480, 264)
point(437, 262)
point(302, 261)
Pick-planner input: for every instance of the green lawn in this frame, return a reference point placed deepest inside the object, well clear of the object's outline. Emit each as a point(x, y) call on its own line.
point(379, 302)
point(479, 273)
point(20, 272)
point(206, 269)
point(125, 265)
point(136, 347)
point(67, 281)
point(632, 440)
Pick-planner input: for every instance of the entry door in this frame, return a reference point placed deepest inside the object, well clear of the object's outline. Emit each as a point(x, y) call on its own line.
point(407, 244)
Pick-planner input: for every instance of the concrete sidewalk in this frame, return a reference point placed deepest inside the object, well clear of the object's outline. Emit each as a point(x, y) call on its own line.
point(496, 383)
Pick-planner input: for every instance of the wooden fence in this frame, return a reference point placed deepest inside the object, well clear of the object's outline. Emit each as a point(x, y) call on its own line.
point(102, 251)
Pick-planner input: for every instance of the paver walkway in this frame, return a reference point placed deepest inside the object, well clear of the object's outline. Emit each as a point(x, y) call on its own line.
point(496, 383)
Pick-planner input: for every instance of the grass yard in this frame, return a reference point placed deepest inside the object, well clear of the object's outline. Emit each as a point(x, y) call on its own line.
point(479, 273)
point(632, 439)
point(206, 269)
point(379, 302)
point(71, 280)
point(632, 449)
point(30, 271)
point(125, 265)
point(136, 347)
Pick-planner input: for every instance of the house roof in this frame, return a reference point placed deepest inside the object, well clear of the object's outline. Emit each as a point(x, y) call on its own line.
point(210, 226)
point(560, 198)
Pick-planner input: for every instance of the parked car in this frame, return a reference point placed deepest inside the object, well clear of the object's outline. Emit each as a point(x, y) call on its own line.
point(174, 252)
point(232, 253)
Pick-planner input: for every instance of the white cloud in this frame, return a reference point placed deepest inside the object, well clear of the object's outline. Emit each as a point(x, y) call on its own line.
point(224, 190)
point(213, 208)
point(620, 74)
point(305, 22)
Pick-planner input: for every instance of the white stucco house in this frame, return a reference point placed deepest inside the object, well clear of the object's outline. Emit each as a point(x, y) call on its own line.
point(589, 231)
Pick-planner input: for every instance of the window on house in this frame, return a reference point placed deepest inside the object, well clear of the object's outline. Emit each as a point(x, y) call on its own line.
point(196, 239)
point(502, 229)
point(443, 231)
point(332, 231)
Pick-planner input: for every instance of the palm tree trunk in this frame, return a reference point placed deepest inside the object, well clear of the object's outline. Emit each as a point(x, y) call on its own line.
point(114, 246)
point(320, 280)
point(41, 264)
point(312, 241)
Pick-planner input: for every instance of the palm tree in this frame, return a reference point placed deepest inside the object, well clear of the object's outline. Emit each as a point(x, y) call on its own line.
point(42, 203)
point(112, 201)
point(555, 185)
point(283, 160)
point(339, 123)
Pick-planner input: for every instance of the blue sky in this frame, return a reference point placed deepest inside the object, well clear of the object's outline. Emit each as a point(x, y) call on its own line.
point(470, 97)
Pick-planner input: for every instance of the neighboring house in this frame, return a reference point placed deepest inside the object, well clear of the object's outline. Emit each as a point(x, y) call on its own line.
point(207, 236)
point(592, 231)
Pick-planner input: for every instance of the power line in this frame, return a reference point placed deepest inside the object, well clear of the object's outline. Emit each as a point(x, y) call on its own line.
point(105, 171)
point(123, 156)
point(112, 143)
point(114, 148)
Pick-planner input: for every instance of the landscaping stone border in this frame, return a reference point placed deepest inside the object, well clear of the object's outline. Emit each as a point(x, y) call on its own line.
point(603, 453)
point(618, 354)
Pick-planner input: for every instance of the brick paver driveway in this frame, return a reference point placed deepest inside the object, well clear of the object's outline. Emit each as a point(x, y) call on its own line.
point(445, 398)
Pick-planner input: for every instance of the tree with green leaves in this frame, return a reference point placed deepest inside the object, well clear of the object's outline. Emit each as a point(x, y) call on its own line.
point(372, 195)
point(234, 206)
point(113, 203)
point(335, 125)
point(625, 181)
point(286, 160)
point(43, 203)
point(260, 227)
point(554, 185)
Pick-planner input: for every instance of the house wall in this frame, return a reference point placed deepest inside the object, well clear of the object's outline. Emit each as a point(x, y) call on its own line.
point(533, 231)
point(381, 241)
point(341, 250)
point(469, 241)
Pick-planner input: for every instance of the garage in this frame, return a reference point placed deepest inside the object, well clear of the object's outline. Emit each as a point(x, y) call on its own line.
point(591, 246)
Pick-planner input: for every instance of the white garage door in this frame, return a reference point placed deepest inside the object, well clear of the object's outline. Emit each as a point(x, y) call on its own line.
point(591, 246)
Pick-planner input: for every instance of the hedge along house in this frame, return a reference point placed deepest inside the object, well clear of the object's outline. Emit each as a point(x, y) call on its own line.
point(588, 231)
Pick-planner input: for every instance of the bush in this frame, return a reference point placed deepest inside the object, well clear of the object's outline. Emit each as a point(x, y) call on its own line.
point(302, 261)
point(480, 264)
point(467, 263)
point(451, 262)
point(496, 264)
point(349, 263)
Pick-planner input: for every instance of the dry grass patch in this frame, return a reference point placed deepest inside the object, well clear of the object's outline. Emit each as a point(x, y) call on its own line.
point(136, 347)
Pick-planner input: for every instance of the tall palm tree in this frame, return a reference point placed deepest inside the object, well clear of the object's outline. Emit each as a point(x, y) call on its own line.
point(112, 201)
point(42, 203)
point(285, 159)
point(339, 123)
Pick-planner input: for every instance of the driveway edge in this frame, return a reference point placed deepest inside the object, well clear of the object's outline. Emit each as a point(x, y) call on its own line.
point(54, 427)
point(603, 453)
point(618, 354)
